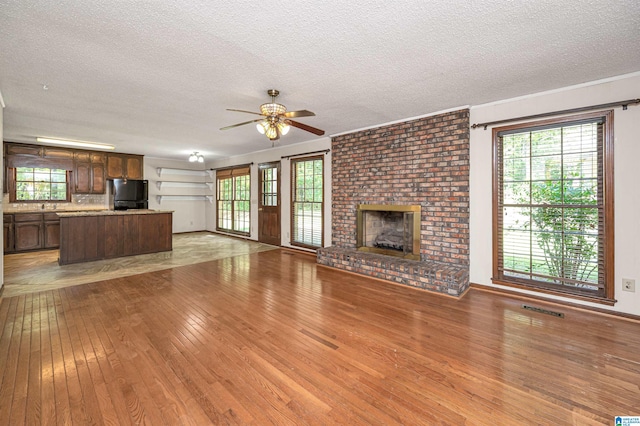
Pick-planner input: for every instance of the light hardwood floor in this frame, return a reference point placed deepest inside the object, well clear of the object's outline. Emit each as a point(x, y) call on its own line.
point(272, 338)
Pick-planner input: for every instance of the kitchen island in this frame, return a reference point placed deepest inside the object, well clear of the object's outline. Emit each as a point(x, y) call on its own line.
point(105, 234)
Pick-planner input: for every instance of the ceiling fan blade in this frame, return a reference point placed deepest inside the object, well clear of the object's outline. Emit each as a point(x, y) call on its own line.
point(241, 124)
point(241, 110)
point(305, 127)
point(300, 113)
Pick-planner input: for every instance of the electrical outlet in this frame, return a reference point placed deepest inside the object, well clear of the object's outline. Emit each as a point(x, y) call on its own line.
point(628, 285)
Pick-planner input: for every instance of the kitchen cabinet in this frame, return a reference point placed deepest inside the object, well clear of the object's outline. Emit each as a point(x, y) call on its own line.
point(89, 169)
point(82, 178)
point(89, 173)
point(51, 231)
point(8, 233)
point(120, 166)
point(21, 149)
point(31, 231)
point(28, 231)
point(89, 236)
point(49, 152)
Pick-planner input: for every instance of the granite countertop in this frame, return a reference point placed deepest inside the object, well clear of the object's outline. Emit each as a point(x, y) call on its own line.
point(110, 212)
point(9, 211)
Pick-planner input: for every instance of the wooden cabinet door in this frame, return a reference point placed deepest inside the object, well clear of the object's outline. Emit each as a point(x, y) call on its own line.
point(124, 166)
point(52, 234)
point(8, 238)
point(115, 166)
point(82, 184)
point(154, 232)
point(19, 149)
point(97, 157)
point(57, 153)
point(97, 178)
point(28, 236)
point(134, 167)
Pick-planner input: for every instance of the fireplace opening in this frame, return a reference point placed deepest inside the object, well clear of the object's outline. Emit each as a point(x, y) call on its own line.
point(389, 229)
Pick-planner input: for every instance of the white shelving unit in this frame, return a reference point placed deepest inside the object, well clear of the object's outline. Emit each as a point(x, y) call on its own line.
point(179, 183)
point(168, 197)
point(188, 183)
point(188, 172)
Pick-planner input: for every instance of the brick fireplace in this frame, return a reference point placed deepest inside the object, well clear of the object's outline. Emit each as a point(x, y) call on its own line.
point(424, 163)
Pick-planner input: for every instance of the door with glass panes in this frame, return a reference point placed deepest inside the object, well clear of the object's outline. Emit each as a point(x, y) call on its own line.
point(269, 203)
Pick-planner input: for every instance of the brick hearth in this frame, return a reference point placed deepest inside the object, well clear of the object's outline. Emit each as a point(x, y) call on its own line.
point(420, 162)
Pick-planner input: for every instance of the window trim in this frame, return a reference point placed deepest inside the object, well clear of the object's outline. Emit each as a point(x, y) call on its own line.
point(608, 207)
point(12, 185)
point(232, 173)
point(293, 163)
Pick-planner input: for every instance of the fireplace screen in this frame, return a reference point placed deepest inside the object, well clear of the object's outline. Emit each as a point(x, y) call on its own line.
point(389, 229)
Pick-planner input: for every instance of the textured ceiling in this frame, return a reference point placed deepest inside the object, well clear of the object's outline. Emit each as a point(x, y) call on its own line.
point(154, 77)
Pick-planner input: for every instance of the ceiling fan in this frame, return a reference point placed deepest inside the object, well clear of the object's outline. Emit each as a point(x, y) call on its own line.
point(275, 121)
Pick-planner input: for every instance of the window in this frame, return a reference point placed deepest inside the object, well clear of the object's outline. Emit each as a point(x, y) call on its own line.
point(307, 201)
point(40, 184)
point(269, 179)
point(553, 206)
point(234, 200)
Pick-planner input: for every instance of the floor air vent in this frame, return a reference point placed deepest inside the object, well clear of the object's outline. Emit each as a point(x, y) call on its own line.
point(543, 311)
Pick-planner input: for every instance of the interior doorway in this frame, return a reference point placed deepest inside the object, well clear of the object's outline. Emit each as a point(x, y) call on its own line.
point(269, 203)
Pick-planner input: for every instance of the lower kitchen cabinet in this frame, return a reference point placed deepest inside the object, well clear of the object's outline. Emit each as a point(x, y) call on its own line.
point(31, 231)
point(51, 231)
point(8, 233)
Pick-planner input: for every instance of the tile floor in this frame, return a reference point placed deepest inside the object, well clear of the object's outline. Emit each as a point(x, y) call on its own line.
point(39, 271)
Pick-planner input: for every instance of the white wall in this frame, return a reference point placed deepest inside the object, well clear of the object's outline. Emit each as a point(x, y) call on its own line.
point(626, 158)
point(275, 154)
point(188, 214)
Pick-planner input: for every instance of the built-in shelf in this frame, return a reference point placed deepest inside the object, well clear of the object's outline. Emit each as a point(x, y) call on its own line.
point(208, 198)
point(190, 174)
point(187, 172)
point(184, 184)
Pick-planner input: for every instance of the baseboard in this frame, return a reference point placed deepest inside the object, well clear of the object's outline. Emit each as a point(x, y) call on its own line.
point(576, 306)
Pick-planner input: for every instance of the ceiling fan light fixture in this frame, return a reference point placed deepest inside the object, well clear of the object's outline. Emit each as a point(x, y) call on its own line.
point(283, 128)
point(271, 132)
point(276, 121)
point(272, 108)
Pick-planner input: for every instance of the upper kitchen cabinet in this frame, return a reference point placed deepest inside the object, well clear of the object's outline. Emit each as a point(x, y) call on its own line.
point(89, 176)
point(21, 149)
point(53, 153)
point(127, 166)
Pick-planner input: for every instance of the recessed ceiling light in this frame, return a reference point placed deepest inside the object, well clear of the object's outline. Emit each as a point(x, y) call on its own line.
point(82, 144)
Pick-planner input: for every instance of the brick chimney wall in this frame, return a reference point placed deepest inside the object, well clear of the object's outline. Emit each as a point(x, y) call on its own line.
point(420, 162)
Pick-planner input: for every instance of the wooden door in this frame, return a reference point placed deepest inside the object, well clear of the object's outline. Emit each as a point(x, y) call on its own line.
point(269, 203)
